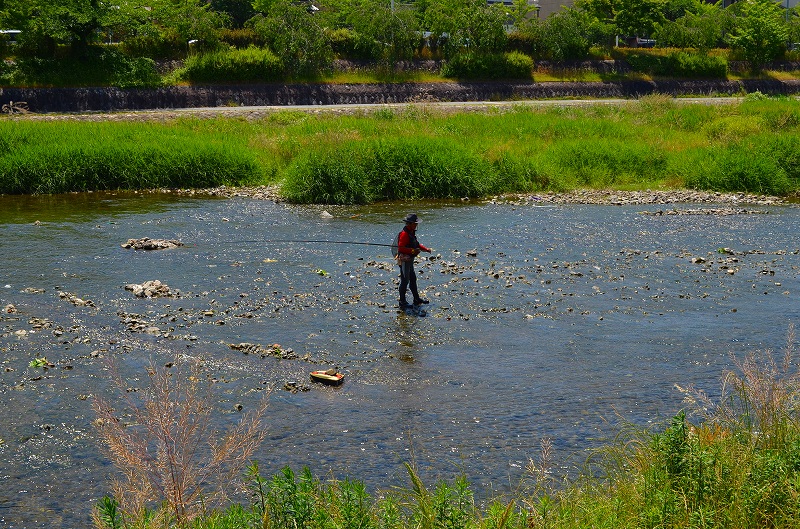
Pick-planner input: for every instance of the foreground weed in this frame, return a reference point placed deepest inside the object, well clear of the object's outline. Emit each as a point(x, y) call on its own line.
point(171, 455)
point(760, 400)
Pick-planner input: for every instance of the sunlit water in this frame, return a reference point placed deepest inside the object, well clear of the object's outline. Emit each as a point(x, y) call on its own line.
point(545, 323)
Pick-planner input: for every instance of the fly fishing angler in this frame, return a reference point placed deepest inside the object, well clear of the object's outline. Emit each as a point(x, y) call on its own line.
point(408, 247)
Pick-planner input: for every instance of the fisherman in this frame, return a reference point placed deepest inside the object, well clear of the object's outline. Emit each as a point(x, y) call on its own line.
point(409, 247)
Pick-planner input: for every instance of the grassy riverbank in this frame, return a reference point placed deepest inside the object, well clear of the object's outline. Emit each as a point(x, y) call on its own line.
point(420, 151)
point(729, 463)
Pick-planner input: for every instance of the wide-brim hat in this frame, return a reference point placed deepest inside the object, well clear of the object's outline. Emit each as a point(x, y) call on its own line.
point(411, 218)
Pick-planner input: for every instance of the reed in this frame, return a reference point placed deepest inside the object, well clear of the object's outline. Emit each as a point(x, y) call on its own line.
point(171, 455)
point(419, 151)
point(401, 169)
point(37, 158)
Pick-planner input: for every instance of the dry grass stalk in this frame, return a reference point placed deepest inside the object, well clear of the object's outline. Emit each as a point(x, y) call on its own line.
point(760, 397)
point(541, 468)
point(171, 453)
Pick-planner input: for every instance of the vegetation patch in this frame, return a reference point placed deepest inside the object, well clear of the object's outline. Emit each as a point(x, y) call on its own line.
point(731, 462)
point(416, 152)
point(62, 157)
point(233, 66)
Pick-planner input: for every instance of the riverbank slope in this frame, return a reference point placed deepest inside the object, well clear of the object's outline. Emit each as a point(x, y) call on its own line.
point(115, 99)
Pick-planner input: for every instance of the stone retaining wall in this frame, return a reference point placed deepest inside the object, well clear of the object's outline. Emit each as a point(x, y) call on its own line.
point(115, 99)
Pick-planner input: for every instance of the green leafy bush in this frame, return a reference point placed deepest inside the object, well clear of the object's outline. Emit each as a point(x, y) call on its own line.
point(155, 46)
point(241, 38)
point(397, 169)
point(679, 64)
point(521, 42)
point(468, 65)
point(349, 44)
point(237, 66)
point(99, 66)
point(335, 176)
point(608, 161)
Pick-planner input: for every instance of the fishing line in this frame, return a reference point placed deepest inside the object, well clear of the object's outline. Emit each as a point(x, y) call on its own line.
point(312, 242)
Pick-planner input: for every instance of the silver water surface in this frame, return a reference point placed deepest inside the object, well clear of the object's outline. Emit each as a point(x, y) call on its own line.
point(545, 322)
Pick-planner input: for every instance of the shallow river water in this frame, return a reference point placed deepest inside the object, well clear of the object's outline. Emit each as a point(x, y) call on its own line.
point(545, 323)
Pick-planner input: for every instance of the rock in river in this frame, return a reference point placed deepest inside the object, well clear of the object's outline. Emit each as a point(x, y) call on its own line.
point(151, 289)
point(146, 243)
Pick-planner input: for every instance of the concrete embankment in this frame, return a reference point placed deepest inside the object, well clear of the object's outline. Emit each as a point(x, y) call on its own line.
point(115, 99)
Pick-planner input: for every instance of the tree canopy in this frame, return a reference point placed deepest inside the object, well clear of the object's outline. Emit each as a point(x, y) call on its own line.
point(304, 33)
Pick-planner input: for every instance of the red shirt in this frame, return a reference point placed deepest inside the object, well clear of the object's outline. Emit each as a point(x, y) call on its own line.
point(407, 242)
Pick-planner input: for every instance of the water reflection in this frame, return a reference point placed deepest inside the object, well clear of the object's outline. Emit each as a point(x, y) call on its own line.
point(544, 322)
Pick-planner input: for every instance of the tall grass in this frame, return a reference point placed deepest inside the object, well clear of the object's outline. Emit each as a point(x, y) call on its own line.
point(418, 151)
point(400, 169)
point(61, 157)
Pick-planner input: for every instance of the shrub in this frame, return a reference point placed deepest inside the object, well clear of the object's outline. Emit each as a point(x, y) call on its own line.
point(99, 66)
point(349, 44)
point(422, 167)
point(736, 168)
point(606, 161)
point(241, 38)
point(468, 65)
point(336, 176)
point(155, 46)
point(397, 169)
point(521, 42)
point(694, 65)
point(679, 64)
point(519, 174)
point(249, 65)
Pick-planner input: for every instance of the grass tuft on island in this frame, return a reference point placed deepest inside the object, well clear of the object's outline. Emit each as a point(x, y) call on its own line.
point(420, 151)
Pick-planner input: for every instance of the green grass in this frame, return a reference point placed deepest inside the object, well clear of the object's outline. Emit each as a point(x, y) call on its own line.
point(45, 158)
point(732, 463)
point(417, 151)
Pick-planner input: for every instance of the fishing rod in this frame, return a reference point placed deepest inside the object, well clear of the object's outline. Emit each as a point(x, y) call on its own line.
point(315, 242)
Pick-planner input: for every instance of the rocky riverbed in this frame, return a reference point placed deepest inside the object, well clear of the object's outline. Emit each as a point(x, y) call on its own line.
point(734, 201)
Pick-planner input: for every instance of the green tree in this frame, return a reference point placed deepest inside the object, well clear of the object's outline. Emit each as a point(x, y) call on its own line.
point(675, 9)
point(238, 11)
point(626, 17)
point(600, 15)
point(638, 17)
point(293, 34)
point(601, 10)
point(521, 11)
point(702, 27)
point(47, 23)
point(565, 34)
point(793, 24)
point(468, 25)
point(759, 31)
point(189, 20)
point(395, 32)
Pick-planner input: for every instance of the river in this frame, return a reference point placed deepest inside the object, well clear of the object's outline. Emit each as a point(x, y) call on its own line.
point(560, 322)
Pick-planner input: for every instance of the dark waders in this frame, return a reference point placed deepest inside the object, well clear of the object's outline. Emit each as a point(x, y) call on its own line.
point(408, 279)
